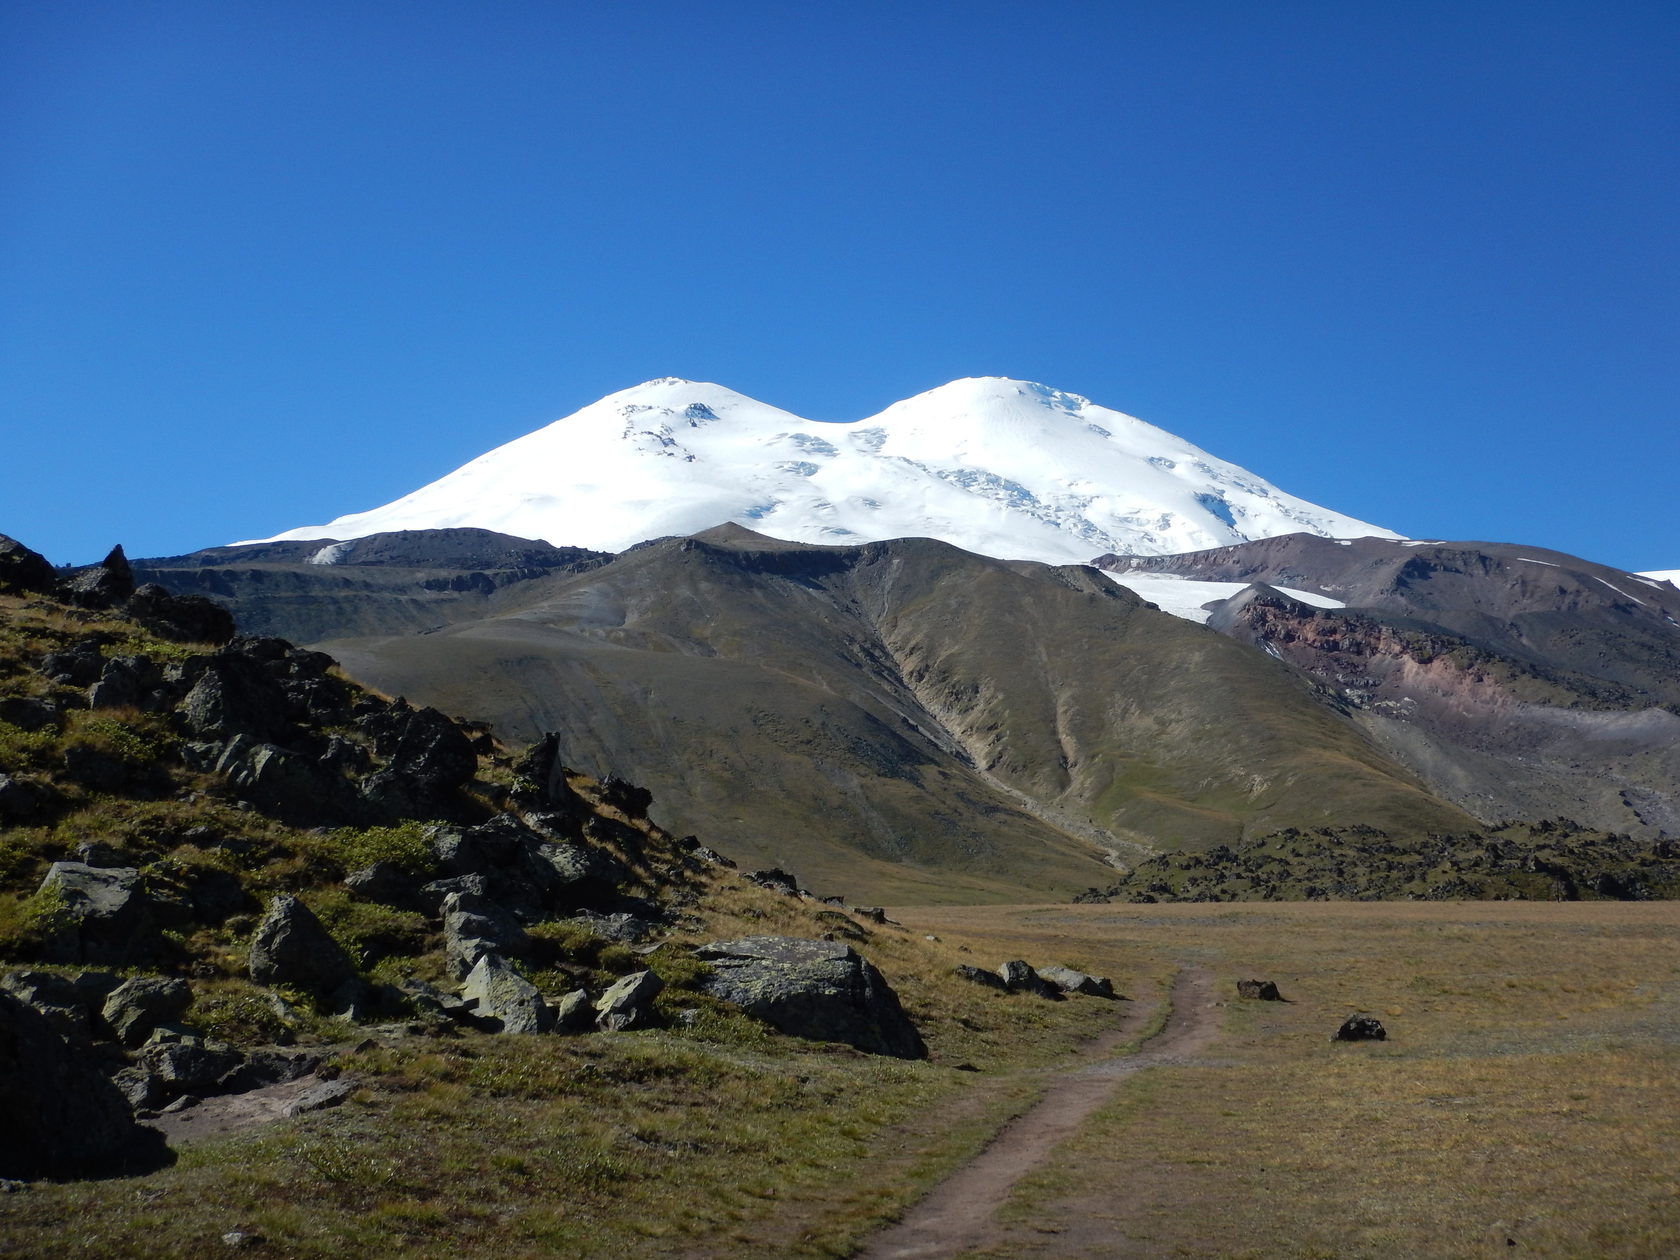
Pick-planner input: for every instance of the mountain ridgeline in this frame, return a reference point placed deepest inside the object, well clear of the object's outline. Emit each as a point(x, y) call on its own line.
point(904, 717)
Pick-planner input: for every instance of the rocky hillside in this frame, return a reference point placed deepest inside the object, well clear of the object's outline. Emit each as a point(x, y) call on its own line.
point(1516, 682)
point(904, 717)
point(217, 854)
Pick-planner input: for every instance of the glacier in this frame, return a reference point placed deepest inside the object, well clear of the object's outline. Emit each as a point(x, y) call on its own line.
point(1003, 467)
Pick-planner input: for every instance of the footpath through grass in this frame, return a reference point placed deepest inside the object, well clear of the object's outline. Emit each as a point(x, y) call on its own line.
point(1524, 1102)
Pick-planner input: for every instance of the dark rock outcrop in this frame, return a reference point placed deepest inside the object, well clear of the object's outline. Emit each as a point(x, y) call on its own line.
point(180, 618)
point(138, 1006)
point(290, 947)
point(59, 1116)
point(22, 571)
point(821, 990)
point(1259, 990)
point(980, 976)
point(105, 915)
point(103, 585)
point(1360, 1028)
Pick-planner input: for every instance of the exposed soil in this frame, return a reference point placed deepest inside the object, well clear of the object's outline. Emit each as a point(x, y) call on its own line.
point(229, 1113)
point(957, 1216)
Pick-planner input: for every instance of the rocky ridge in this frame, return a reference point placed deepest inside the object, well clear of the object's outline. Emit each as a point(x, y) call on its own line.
point(218, 855)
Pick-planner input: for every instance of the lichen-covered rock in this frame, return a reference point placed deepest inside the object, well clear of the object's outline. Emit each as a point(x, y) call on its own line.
point(822, 990)
point(104, 915)
point(628, 1003)
point(59, 1116)
point(1020, 977)
point(291, 947)
point(473, 927)
point(137, 1006)
point(500, 993)
point(1259, 990)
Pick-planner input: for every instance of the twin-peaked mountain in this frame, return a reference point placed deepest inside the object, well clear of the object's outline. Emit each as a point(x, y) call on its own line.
point(996, 466)
point(895, 672)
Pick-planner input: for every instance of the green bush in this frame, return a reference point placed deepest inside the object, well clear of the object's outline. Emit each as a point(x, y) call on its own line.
point(404, 846)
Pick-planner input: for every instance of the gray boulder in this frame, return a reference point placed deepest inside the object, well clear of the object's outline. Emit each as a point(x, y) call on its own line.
point(236, 695)
point(192, 1065)
point(108, 918)
point(473, 927)
point(59, 1116)
point(1020, 977)
point(822, 990)
point(288, 785)
point(500, 993)
point(629, 1003)
point(1070, 981)
point(574, 1013)
point(1259, 990)
point(290, 947)
point(137, 1006)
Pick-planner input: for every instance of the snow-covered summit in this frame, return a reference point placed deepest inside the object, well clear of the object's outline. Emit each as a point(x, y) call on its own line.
point(1002, 467)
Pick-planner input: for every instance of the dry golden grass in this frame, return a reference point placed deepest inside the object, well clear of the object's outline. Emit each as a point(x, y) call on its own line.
point(1527, 1090)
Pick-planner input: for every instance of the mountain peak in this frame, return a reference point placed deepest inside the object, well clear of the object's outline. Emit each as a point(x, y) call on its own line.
point(1004, 467)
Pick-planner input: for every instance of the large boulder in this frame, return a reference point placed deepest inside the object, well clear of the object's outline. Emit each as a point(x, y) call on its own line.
point(104, 915)
point(1020, 977)
point(59, 1116)
point(235, 695)
point(1259, 990)
point(822, 990)
point(138, 1006)
point(286, 785)
point(475, 926)
point(22, 571)
point(1070, 981)
point(180, 618)
point(290, 947)
point(427, 758)
point(498, 992)
point(102, 585)
point(628, 1003)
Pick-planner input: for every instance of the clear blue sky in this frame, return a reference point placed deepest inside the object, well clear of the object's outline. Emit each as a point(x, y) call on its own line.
point(265, 263)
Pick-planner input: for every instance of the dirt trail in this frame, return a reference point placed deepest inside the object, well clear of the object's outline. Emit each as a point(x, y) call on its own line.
point(957, 1216)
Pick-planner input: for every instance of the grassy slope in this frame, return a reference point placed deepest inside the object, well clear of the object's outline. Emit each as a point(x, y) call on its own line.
point(1526, 1091)
point(805, 706)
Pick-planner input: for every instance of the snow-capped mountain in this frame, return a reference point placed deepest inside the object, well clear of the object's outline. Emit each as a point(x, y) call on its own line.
point(996, 466)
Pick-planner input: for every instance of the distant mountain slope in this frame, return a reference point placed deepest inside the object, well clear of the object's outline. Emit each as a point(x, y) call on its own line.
point(409, 582)
point(1519, 682)
point(996, 466)
point(905, 715)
